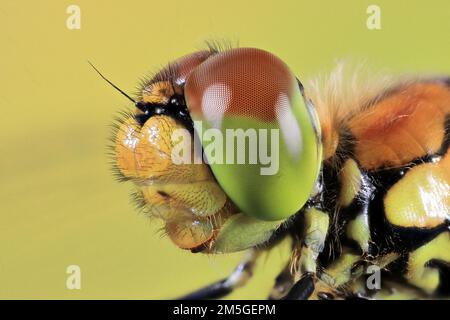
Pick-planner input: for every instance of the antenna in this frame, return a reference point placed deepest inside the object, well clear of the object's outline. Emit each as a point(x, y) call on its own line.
point(112, 84)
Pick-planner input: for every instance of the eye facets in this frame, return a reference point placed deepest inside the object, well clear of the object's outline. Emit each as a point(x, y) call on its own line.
point(248, 103)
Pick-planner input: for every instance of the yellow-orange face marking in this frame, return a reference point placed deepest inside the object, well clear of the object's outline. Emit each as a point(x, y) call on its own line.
point(159, 92)
point(190, 233)
point(146, 153)
point(126, 142)
point(185, 196)
point(402, 127)
point(143, 153)
point(169, 200)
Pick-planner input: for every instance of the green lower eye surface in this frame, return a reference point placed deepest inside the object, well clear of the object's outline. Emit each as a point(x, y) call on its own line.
point(241, 232)
point(256, 164)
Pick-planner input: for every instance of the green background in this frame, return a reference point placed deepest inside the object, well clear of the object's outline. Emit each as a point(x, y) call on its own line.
point(59, 204)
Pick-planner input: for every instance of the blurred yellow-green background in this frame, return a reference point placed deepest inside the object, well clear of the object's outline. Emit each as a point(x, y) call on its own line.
point(59, 202)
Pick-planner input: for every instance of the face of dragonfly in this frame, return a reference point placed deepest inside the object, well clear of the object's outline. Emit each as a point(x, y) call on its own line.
point(209, 201)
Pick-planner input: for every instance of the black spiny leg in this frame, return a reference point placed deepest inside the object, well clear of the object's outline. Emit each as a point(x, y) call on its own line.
point(283, 283)
point(302, 289)
point(237, 279)
point(216, 290)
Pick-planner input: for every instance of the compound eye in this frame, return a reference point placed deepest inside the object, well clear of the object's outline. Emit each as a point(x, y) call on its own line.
point(178, 70)
point(246, 82)
point(255, 95)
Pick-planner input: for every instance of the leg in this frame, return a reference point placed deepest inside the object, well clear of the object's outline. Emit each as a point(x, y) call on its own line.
point(344, 269)
point(326, 285)
point(347, 278)
point(283, 283)
point(316, 225)
point(237, 279)
point(302, 289)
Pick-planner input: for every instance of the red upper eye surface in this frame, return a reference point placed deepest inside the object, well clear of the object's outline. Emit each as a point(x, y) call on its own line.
point(178, 70)
point(242, 82)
